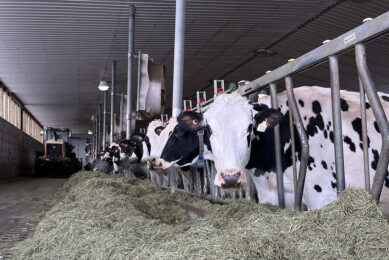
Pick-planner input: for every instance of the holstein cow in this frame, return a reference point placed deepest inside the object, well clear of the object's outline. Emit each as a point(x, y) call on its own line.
point(126, 160)
point(242, 143)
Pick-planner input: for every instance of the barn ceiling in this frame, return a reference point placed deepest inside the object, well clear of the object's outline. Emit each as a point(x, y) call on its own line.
point(54, 53)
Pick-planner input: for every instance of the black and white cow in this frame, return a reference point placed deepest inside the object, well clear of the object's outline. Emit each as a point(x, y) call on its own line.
point(242, 143)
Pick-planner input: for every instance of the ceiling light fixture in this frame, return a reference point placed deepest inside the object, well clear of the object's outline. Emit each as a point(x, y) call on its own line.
point(103, 86)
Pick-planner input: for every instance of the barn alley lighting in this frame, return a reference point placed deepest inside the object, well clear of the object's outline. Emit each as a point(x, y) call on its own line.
point(89, 132)
point(103, 86)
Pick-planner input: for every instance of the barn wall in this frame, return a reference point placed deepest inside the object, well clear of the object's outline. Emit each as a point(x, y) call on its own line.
point(17, 151)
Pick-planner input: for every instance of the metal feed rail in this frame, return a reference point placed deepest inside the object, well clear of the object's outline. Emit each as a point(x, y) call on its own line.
point(330, 51)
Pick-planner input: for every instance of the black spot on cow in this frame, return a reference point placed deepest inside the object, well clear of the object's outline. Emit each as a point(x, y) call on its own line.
point(301, 103)
point(267, 177)
point(376, 156)
point(315, 121)
point(343, 105)
point(324, 164)
point(367, 105)
point(249, 130)
point(333, 183)
point(317, 188)
point(287, 103)
point(350, 143)
point(332, 136)
point(368, 143)
point(357, 126)
point(321, 146)
point(332, 168)
point(325, 134)
point(305, 117)
point(386, 98)
point(311, 160)
point(376, 127)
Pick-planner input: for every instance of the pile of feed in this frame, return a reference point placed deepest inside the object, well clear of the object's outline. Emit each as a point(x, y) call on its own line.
point(104, 217)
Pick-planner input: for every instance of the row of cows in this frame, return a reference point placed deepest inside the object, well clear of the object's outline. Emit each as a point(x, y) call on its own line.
point(238, 137)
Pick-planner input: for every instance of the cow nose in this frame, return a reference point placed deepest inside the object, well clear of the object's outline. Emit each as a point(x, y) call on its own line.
point(231, 179)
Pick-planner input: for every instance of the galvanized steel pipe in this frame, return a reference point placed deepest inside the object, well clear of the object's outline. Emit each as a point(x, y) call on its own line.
point(379, 113)
point(337, 122)
point(277, 146)
point(304, 142)
point(113, 87)
point(178, 73)
point(104, 119)
point(131, 26)
point(364, 137)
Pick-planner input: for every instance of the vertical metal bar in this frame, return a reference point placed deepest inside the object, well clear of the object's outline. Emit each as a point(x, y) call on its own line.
point(131, 26)
point(139, 79)
point(337, 122)
point(205, 179)
point(210, 176)
point(303, 139)
point(293, 147)
point(104, 119)
point(379, 113)
point(99, 136)
point(277, 146)
point(364, 137)
point(178, 75)
point(113, 89)
point(121, 114)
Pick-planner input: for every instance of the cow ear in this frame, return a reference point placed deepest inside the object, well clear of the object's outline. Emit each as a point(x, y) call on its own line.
point(159, 129)
point(190, 121)
point(268, 118)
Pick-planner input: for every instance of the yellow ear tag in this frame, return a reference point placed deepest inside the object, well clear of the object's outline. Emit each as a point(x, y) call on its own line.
point(262, 126)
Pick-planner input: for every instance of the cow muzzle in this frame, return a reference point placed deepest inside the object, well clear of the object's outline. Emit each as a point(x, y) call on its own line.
point(230, 179)
point(154, 163)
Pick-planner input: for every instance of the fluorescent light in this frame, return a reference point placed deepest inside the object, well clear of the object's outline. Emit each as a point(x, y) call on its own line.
point(89, 132)
point(103, 86)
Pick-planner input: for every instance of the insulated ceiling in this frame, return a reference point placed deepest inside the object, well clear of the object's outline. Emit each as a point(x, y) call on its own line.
point(54, 53)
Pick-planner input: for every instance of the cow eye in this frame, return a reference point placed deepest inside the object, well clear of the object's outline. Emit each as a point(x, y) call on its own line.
point(195, 121)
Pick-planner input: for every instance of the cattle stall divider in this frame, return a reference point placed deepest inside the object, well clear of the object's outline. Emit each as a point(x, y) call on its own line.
point(329, 51)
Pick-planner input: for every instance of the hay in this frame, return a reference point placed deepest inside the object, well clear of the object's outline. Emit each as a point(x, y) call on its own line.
point(105, 217)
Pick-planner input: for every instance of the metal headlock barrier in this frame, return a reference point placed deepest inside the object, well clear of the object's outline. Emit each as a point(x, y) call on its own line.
point(330, 50)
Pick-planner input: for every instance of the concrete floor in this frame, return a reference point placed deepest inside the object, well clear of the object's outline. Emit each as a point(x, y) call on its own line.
point(23, 203)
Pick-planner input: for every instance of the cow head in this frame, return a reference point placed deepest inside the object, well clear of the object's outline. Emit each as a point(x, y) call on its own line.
point(231, 119)
point(182, 146)
point(159, 137)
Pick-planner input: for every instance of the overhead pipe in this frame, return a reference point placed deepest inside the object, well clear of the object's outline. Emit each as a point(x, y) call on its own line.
point(178, 72)
point(112, 101)
point(131, 26)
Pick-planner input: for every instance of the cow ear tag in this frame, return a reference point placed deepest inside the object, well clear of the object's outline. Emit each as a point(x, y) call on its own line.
point(262, 126)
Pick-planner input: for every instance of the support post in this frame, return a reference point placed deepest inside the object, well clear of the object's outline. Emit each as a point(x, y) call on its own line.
point(104, 119)
point(277, 145)
point(364, 137)
point(98, 127)
point(129, 71)
point(178, 72)
point(303, 140)
point(121, 113)
point(379, 114)
point(337, 122)
point(113, 87)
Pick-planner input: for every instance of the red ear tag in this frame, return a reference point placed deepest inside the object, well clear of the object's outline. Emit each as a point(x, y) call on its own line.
point(188, 108)
point(219, 90)
point(164, 121)
point(202, 100)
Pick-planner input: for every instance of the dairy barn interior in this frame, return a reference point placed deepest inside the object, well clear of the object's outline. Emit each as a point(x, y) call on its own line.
point(192, 129)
